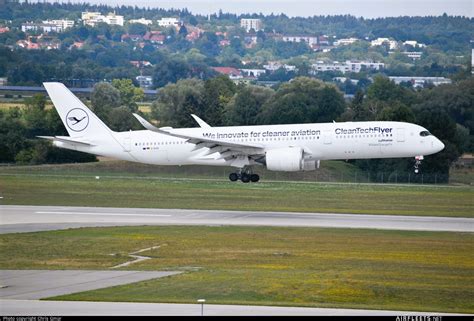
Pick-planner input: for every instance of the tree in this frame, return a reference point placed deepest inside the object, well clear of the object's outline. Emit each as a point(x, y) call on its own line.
point(35, 116)
point(170, 71)
point(244, 108)
point(183, 31)
point(175, 103)
point(217, 93)
point(121, 119)
point(384, 89)
point(396, 112)
point(457, 100)
point(444, 128)
point(104, 97)
point(137, 29)
point(129, 94)
point(12, 135)
point(303, 100)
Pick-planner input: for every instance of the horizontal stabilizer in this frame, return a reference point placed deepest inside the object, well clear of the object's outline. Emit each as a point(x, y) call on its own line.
point(66, 139)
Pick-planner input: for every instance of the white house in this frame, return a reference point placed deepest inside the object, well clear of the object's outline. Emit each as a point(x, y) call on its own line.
point(248, 24)
point(348, 66)
point(169, 22)
point(421, 81)
point(414, 44)
point(345, 41)
point(380, 41)
point(310, 40)
point(47, 26)
point(252, 72)
point(93, 18)
point(142, 21)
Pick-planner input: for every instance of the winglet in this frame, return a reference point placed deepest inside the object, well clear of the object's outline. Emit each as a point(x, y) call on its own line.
point(201, 122)
point(145, 123)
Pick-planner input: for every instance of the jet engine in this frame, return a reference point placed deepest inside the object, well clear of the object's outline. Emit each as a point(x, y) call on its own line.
point(288, 159)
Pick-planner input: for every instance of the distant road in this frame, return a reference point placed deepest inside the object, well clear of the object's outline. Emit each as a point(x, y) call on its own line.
point(150, 92)
point(15, 218)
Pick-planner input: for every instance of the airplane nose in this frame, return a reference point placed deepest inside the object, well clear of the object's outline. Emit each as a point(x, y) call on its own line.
point(439, 145)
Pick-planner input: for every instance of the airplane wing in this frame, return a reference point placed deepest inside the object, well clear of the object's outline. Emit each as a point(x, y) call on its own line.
point(66, 139)
point(227, 150)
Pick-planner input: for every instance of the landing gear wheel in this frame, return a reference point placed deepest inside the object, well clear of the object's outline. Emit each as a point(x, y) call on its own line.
point(245, 178)
point(233, 177)
point(254, 178)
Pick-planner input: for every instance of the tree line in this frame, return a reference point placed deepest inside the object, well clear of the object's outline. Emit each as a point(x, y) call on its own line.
point(446, 111)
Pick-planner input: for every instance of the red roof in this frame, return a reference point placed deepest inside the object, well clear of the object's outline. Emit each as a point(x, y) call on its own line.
point(228, 71)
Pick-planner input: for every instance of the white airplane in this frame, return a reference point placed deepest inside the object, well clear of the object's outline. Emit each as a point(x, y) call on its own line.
point(294, 147)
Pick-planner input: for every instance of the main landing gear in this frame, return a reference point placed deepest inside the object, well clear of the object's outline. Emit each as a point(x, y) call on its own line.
point(417, 165)
point(245, 175)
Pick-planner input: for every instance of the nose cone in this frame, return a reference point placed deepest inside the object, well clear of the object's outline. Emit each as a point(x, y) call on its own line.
point(438, 145)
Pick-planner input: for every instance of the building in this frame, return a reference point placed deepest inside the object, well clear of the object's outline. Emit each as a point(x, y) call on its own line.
point(4, 29)
point(310, 40)
point(233, 73)
point(248, 24)
point(47, 26)
point(253, 73)
point(113, 19)
point(169, 22)
point(421, 81)
point(141, 63)
point(93, 18)
point(472, 61)
point(348, 66)
point(89, 15)
point(275, 65)
point(155, 37)
point(413, 54)
point(357, 66)
point(414, 44)
point(142, 21)
point(392, 44)
point(145, 82)
point(345, 41)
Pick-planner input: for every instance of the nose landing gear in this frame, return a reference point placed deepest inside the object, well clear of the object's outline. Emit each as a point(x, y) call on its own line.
point(245, 175)
point(417, 165)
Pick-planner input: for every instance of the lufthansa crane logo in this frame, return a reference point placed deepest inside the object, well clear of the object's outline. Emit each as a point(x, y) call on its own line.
point(77, 119)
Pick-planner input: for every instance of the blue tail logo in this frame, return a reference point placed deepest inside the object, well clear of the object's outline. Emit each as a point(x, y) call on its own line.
point(77, 119)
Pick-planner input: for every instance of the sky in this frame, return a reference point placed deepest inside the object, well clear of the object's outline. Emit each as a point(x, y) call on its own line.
point(304, 8)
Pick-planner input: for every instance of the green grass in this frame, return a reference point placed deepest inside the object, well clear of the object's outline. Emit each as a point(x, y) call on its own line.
point(315, 267)
point(219, 194)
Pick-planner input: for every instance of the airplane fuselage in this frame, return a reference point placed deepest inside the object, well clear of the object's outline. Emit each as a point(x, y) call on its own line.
point(294, 147)
point(321, 141)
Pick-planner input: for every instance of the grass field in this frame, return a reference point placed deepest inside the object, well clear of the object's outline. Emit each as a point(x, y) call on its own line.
point(420, 271)
point(6, 104)
point(123, 184)
point(113, 191)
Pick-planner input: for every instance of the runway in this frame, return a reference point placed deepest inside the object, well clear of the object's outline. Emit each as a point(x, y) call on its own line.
point(65, 308)
point(14, 219)
point(39, 284)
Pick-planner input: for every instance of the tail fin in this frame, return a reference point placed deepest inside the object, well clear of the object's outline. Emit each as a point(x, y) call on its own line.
point(79, 120)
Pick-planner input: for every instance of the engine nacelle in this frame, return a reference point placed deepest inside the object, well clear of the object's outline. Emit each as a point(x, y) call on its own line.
point(288, 159)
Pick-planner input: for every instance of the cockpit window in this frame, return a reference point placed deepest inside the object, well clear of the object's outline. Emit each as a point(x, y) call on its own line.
point(425, 133)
